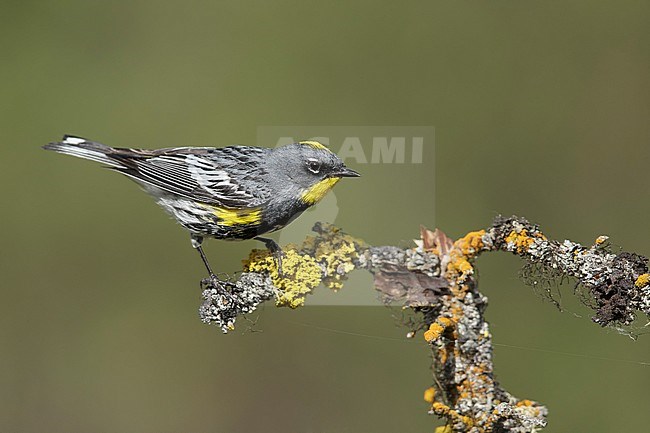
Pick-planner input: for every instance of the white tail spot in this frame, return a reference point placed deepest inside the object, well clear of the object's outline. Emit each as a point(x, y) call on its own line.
point(73, 140)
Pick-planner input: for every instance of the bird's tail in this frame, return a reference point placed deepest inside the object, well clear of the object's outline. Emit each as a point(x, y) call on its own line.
point(82, 148)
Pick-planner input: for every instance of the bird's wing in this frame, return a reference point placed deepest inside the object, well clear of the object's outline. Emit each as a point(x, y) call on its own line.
point(230, 177)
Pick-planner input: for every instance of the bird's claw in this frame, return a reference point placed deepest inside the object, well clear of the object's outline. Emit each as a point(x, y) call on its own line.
point(278, 255)
point(215, 283)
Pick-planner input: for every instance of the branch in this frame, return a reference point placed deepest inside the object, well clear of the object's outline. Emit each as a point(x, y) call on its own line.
point(436, 281)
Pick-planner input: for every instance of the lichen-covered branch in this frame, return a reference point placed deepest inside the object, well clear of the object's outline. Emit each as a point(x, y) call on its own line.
point(436, 280)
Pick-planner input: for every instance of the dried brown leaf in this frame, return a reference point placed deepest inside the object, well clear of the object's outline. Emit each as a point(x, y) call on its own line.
point(436, 241)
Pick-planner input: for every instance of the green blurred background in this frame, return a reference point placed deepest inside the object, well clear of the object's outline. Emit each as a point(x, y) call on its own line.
point(540, 109)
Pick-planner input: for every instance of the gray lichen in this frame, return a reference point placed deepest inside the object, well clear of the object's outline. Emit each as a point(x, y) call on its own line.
point(246, 294)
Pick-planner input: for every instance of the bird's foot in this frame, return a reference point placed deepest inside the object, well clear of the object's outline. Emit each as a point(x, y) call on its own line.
point(275, 251)
point(213, 282)
point(278, 255)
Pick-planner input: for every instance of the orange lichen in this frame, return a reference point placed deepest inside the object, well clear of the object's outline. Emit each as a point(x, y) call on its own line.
point(528, 408)
point(437, 328)
point(471, 243)
point(433, 332)
point(456, 312)
point(464, 250)
point(429, 395)
point(442, 409)
point(443, 354)
point(642, 281)
point(459, 265)
point(526, 403)
point(521, 240)
point(601, 239)
point(443, 333)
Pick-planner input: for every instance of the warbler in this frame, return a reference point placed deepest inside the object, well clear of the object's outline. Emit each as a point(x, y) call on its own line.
point(231, 193)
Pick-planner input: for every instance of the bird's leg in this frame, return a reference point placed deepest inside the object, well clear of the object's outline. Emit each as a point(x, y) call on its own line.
point(205, 262)
point(277, 252)
point(216, 283)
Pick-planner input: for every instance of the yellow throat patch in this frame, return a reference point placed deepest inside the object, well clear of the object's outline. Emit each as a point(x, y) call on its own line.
point(314, 194)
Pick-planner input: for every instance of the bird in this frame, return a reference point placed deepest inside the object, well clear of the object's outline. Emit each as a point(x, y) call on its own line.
point(229, 193)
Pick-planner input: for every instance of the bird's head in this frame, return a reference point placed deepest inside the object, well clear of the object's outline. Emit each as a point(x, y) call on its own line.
point(309, 169)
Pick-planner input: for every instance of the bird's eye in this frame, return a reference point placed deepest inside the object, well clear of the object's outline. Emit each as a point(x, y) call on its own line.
point(313, 165)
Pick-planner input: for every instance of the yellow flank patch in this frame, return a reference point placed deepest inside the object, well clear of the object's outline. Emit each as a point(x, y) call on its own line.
point(237, 217)
point(314, 144)
point(318, 191)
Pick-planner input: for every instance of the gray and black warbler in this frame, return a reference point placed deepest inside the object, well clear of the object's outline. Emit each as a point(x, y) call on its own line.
point(231, 193)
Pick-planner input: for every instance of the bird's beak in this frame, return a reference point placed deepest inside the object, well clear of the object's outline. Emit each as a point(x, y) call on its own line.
point(344, 172)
